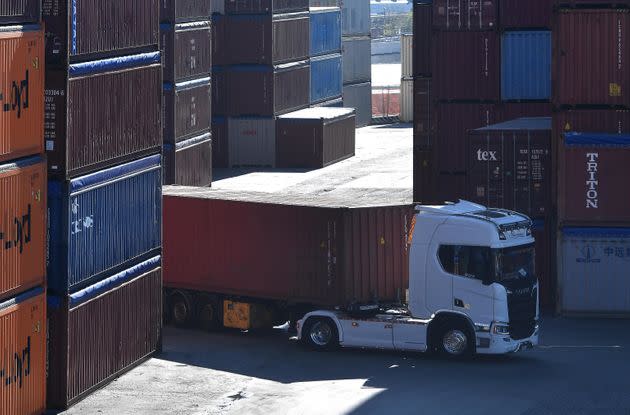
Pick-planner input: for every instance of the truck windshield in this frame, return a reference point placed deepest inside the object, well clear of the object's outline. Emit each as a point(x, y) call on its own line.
point(515, 264)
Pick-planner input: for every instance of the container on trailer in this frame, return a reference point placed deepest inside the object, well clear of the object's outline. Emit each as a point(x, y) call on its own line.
point(326, 78)
point(357, 59)
point(359, 97)
point(332, 253)
point(189, 162)
point(465, 15)
point(406, 100)
point(315, 137)
point(325, 30)
point(423, 40)
point(102, 222)
point(220, 144)
point(593, 270)
point(21, 91)
point(264, 6)
point(526, 65)
point(545, 241)
point(406, 55)
point(22, 225)
point(23, 353)
point(509, 166)
point(423, 107)
point(355, 18)
point(83, 134)
point(20, 11)
point(251, 142)
point(176, 11)
point(187, 109)
point(82, 30)
point(591, 57)
point(261, 39)
point(186, 50)
point(530, 14)
point(102, 331)
point(466, 66)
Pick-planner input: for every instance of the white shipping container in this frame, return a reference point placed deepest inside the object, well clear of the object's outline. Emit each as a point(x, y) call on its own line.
point(359, 97)
point(357, 59)
point(406, 55)
point(406, 100)
point(355, 17)
point(252, 142)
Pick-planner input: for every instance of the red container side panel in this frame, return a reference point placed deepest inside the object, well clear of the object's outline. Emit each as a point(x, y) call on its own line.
point(609, 4)
point(422, 41)
point(522, 14)
point(451, 187)
point(512, 110)
point(466, 15)
point(424, 176)
point(591, 121)
point(423, 107)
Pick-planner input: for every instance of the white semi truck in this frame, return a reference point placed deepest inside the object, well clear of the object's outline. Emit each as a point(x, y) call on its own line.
point(472, 289)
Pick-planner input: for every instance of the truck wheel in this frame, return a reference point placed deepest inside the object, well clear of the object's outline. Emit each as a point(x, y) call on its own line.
point(181, 310)
point(208, 314)
point(320, 334)
point(454, 340)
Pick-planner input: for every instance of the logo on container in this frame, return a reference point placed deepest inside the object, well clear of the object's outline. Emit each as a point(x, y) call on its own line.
point(592, 184)
point(21, 234)
point(79, 224)
point(17, 368)
point(17, 97)
point(588, 256)
point(486, 155)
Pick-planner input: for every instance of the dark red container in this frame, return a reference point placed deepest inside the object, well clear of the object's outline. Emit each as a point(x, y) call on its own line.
point(95, 337)
point(315, 137)
point(465, 14)
point(83, 30)
point(525, 14)
point(264, 6)
point(591, 121)
point(591, 57)
point(610, 4)
point(296, 249)
point(545, 254)
point(513, 110)
point(19, 11)
point(187, 109)
point(102, 113)
point(466, 66)
point(175, 11)
point(424, 176)
point(422, 40)
point(451, 187)
point(189, 162)
point(423, 107)
point(509, 166)
point(187, 50)
point(220, 146)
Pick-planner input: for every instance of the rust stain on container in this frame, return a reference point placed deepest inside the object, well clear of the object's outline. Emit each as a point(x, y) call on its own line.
point(21, 92)
point(189, 162)
point(186, 50)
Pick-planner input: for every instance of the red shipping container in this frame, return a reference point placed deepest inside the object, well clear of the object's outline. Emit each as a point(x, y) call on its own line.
point(591, 121)
point(521, 14)
point(424, 176)
point(465, 14)
point(591, 56)
point(451, 187)
point(423, 107)
point(466, 66)
point(513, 110)
point(422, 41)
point(612, 4)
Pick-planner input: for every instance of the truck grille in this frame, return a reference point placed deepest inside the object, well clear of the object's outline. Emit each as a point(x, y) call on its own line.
point(522, 313)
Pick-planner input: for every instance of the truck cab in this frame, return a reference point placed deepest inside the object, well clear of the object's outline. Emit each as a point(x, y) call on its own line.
point(472, 289)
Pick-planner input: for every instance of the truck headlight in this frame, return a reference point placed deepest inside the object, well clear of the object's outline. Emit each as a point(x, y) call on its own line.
point(501, 329)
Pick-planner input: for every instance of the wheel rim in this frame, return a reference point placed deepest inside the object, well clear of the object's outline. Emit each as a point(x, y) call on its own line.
point(180, 312)
point(321, 333)
point(455, 342)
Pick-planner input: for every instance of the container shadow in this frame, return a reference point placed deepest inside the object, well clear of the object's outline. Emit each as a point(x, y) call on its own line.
point(227, 173)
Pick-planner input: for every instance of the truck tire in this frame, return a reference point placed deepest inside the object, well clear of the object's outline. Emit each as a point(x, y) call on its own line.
point(181, 309)
point(208, 313)
point(453, 339)
point(320, 334)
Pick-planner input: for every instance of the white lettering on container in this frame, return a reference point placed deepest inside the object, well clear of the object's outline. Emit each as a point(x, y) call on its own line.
point(592, 199)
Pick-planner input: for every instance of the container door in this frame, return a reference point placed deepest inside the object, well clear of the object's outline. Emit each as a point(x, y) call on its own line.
point(375, 333)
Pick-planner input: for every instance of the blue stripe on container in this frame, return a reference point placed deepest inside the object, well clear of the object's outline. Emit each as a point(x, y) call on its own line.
point(20, 163)
point(73, 14)
point(596, 232)
point(326, 78)
point(526, 65)
point(123, 62)
point(102, 176)
point(21, 28)
point(325, 27)
point(596, 139)
point(21, 297)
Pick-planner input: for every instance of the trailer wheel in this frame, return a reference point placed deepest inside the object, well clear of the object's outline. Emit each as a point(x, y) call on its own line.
point(453, 339)
point(320, 334)
point(181, 309)
point(208, 313)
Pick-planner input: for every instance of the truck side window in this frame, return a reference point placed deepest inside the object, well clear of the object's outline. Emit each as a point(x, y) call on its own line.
point(447, 257)
point(473, 261)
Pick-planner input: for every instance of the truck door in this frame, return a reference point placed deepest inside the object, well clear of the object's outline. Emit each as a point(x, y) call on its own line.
point(470, 296)
point(374, 333)
point(410, 335)
point(439, 285)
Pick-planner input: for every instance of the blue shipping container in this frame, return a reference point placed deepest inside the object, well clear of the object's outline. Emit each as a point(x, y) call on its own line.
point(325, 30)
point(326, 78)
point(526, 65)
point(102, 222)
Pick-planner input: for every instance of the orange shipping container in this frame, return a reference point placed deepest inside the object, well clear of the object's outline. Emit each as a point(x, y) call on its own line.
point(23, 354)
point(22, 225)
point(21, 92)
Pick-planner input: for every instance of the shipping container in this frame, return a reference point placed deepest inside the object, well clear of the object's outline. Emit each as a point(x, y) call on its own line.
point(530, 14)
point(602, 4)
point(101, 222)
point(593, 173)
point(465, 14)
point(22, 225)
point(251, 142)
point(357, 59)
point(20, 11)
point(355, 18)
point(423, 40)
point(220, 152)
point(264, 6)
point(466, 66)
point(189, 162)
point(509, 166)
point(83, 134)
point(325, 30)
point(23, 353)
point(423, 107)
point(406, 55)
point(451, 186)
point(425, 177)
point(591, 121)
point(591, 58)
point(333, 253)
point(326, 78)
point(593, 272)
point(545, 254)
point(102, 331)
point(315, 137)
point(186, 50)
point(260, 90)
point(359, 97)
point(526, 65)
point(187, 109)
point(511, 110)
point(83, 30)
point(21, 91)
point(406, 100)
point(177, 11)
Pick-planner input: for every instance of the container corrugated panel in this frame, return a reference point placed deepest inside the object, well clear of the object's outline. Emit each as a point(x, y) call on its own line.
point(123, 123)
point(19, 11)
point(330, 256)
point(22, 225)
point(451, 186)
point(325, 30)
point(519, 14)
point(264, 6)
point(186, 50)
point(605, 4)
point(526, 65)
point(406, 100)
point(219, 142)
point(189, 162)
point(425, 176)
point(251, 142)
point(594, 270)
point(355, 17)
point(359, 97)
point(423, 107)
point(357, 59)
point(423, 41)
point(101, 222)
point(333, 103)
point(82, 30)
point(326, 78)
point(541, 231)
point(187, 109)
point(100, 332)
point(465, 14)
point(406, 55)
point(591, 57)
point(23, 353)
point(21, 92)
point(512, 110)
point(315, 137)
point(173, 11)
point(591, 121)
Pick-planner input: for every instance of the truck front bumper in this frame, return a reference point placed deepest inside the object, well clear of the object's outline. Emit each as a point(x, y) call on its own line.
point(501, 344)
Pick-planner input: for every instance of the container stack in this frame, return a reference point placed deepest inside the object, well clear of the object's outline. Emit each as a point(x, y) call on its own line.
point(103, 138)
point(325, 51)
point(186, 47)
point(22, 211)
